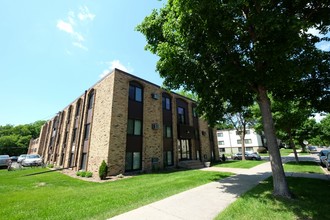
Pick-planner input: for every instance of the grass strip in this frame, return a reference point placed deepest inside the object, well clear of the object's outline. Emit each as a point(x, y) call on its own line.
point(36, 194)
point(259, 203)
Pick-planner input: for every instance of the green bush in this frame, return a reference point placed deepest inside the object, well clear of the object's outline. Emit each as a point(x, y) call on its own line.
point(103, 170)
point(50, 165)
point(89, 174)
point(84, 174)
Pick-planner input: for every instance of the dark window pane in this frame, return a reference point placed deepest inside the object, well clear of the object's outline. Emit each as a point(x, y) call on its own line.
point(90, 100)
point(128, 161)
point(131, 92)
point(87, 129)
point(138, 94)
point(137, 127)
point(168, 104)
point(130, 126)
point(136, 160)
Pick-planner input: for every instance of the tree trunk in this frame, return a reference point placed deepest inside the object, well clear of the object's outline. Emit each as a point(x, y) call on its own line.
point(279, 181)
point(243, 144)
point(293, 146)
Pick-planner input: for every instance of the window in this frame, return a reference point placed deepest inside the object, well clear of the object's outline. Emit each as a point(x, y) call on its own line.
point(181, 115)
point(135, 93)
point(133, 161)
point(166, 103)
point(246, 141)
point(167, 131)
point(168, 158)
point(91, 100)
point(78, 108)
point(221, 143)
point(74, 134)
point(134, 127)
point(83, 161)
point(222, 150)
point(69, 116)
point(240, 132)
point(87, 129)
point(220, 134)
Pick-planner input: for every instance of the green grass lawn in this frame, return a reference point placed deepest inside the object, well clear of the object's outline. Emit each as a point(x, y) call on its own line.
point(259, 203)
point(308, 201)
point(240, 163)
point(39, 194)
point(285, 152)
point(303, 167)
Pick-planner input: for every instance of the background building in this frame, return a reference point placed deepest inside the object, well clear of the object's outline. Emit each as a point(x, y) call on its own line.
point(229, 141)
point(130, 123)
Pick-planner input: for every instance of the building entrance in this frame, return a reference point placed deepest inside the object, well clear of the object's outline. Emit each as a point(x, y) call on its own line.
point(184, 150)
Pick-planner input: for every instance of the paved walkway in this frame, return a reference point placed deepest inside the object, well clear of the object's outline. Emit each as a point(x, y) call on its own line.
point(207, 201)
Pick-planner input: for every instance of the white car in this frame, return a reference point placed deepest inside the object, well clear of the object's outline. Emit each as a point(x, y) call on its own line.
point(21, 158)
point(32, 160)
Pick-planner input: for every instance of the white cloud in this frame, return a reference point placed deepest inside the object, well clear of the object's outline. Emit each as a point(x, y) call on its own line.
point(70, 25)
point(115, 64)
point(84, 14)
point(79, 45)
point(64, 26)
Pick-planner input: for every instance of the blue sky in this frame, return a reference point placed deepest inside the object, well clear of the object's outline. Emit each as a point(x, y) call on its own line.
point(47, 45)
point(52, 51)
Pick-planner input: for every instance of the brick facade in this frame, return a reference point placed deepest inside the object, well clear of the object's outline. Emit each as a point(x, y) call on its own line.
point(95, 127)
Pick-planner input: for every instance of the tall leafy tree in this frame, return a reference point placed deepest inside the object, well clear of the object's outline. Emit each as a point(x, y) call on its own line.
point(240, 51)
point(241, 120)
point(289, 116)
point(18, 137)
point(325, 130)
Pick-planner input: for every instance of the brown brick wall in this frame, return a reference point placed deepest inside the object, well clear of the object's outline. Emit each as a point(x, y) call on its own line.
point(109, 126)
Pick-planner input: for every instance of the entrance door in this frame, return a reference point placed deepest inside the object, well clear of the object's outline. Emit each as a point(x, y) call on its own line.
point(184, 150)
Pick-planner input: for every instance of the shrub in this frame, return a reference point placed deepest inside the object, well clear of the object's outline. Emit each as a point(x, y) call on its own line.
point(82, 173)
point(50, 165)
point(89, 174)
point(103, 170)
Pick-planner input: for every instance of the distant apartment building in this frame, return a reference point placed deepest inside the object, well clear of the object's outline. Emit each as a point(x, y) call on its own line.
point(131, 124)
point(229, 141)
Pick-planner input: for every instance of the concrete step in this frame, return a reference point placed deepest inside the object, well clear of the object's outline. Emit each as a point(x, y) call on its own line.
point(191, 164)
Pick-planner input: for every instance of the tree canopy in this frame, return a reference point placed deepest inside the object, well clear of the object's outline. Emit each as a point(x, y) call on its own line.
point(239, 52)
point(17, 138)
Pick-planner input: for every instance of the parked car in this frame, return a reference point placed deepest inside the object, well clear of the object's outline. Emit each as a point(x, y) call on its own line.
point(326, 161)
point(32, 160)
point(21, 157)
point(249, 155)
point(4, 160)
point(13, 158)
point(322, 156)
point(312, 149)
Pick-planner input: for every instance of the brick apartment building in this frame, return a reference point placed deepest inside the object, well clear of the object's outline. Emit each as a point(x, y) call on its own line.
point(130, 123)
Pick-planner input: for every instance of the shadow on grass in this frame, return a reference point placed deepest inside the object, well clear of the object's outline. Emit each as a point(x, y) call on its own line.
point(305, 204)
point(48, 171)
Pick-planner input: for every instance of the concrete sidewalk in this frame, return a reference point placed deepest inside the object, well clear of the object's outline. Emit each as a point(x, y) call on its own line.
point(207, 201)
point(203, 202)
